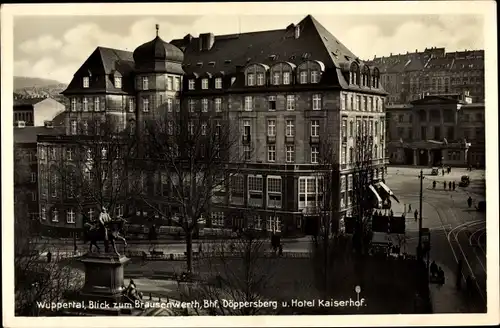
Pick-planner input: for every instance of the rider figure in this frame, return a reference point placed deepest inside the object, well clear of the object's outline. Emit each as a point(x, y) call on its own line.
point(104, 219)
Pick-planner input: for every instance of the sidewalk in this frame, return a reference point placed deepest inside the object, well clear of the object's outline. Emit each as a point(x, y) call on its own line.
point(447, 299)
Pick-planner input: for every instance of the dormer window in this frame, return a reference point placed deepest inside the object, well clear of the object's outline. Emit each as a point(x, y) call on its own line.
point(286, 78)
point(276, 78)
point(118, 82)
point(86, 82)
point(250, 79)
point(303, 77)
point(191, 84)
point(218, 83)
point(314, 77)
point(204, 84)
point(260, 78)
point(145, 83)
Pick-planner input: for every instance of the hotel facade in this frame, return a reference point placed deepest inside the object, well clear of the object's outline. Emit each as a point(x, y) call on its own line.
point(289, 92)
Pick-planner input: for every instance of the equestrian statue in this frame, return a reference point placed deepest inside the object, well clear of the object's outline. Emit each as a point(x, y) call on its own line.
point(105, 229)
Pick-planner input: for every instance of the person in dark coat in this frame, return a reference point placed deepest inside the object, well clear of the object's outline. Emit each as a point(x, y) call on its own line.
point(49, 257)
point(444, 185)
point(454, 186)
point(449, 185)
point(433, 184)
point(469, 201)
point(409, 208)
point(416, 215)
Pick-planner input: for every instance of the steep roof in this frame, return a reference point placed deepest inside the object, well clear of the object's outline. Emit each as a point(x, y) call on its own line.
point(315, 42)
point(104, 61)
point(29, 134)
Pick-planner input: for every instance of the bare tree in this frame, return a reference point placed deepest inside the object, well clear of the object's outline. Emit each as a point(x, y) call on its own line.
point(94, 167)
point(237, 271)
point(194, 154)
point(362, 196)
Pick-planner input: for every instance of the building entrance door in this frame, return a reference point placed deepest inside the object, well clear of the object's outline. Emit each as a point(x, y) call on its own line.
point(436, 157)
point(422, 157)
point(408, 156)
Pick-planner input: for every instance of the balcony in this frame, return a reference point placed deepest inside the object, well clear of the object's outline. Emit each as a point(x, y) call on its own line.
point(271, 139)
point(314, 140)
point(289, 139)
point(246, 139)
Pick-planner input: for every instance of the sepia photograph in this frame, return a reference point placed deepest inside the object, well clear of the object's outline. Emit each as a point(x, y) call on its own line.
point(278, 163)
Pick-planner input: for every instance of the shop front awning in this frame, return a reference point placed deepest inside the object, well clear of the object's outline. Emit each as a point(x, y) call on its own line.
point(379, 199)
point(388, 190)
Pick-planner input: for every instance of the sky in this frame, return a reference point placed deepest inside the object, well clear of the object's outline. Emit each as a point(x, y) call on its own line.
point(54, 47)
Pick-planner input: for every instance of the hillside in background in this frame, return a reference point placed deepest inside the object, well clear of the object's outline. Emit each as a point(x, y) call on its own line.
point(38, 87)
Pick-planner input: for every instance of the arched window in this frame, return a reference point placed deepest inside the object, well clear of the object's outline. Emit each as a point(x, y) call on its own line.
point(376, 78)
point(366, 76)
point(354, 74)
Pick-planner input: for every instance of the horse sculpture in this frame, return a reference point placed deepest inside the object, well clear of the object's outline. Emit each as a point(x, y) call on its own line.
point(94, 232)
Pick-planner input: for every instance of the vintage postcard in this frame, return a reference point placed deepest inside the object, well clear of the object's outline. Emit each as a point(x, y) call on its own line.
point(250, 164)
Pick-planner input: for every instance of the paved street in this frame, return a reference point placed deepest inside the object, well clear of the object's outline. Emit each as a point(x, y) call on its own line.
point(457, 232)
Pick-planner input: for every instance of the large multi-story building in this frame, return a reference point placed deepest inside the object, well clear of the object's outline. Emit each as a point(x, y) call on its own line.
point(446, 129)
point(406, 77)
point(288, 91)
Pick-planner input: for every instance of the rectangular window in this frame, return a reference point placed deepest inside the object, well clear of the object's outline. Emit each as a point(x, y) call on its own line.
point(365, 103)
point(271, 103)
point(70, 216)
point(73, 105)
point(316, 102)
point(145, 83)
point(314, 154)
point(85, 104)
point(255, 190)
point(73, 127)
point(271, 153)
point(376, 105)
point(248, 103)
point(351, 128)
point(170, 83)
point(218, 104)
point(344, 128)
point(276, 78)
point(204, 129)
point(169, 105)
point(131, 106)
point(218, 83)
point(260, 79)
point(274, 192)
point(204, 84)
point(314, 76)
point(358, 102)
point(250, 79)
point(286, 78)
point(191, 104)
point(271, 128)
point(177, 85)
point(290, 102)
point(344, 154)
point(204, 105)
point(191, 85)
point(43, 213)
point(303, 77)
point(345, 99)
point(33, 177)
point(309, 192)
point(290, 128)
point(170, 128)
point(145, 105)
point(96, 104)
point(247, 152)
point(86, 82)
point(85, 127)
point(55, 215)
point(191, 128)
point(290, 154)
point(315, 128)
point(118, 82)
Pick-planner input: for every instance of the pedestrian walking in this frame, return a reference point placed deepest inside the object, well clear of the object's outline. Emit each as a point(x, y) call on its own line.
point(433, 184)
point(444, 185)
point(449, 185)
point(409, 208)
point(454, 186)
point(443, 171)
point(469, 201)
point(49, 256)
point(416, 215)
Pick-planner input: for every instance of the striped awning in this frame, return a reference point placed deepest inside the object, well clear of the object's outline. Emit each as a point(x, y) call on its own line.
point(388, 190)
point(379, 199)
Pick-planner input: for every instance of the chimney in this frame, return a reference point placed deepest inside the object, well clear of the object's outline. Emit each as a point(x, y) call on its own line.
point(390, 54)
point(416, 50)
point(206, 41)
point(187, 39)
point(48, 124)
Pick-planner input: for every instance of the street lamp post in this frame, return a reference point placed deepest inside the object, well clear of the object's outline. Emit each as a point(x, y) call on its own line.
point(419, 251)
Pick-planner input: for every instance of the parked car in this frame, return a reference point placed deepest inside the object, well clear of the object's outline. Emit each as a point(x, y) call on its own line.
point(435, 171)
point(465, 181)
point(481, 206)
